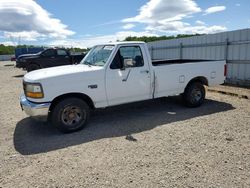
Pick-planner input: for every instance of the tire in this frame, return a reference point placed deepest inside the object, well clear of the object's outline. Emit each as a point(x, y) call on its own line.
point(70, 115)
point(194, 94)
point(33, 67)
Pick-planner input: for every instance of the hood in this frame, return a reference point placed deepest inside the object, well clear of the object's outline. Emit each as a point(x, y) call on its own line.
point(27, 55)
point(38, 75)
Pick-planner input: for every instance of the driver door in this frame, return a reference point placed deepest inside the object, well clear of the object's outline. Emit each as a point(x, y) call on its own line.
point(128, 77)
point(48, 58)
point(63, 57)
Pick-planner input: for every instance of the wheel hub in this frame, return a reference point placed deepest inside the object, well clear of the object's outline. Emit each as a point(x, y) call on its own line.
point(196, 95)
point(72, 115)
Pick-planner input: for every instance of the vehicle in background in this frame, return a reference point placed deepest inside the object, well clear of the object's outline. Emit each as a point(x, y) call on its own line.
point(114, 74)
point(50, 57)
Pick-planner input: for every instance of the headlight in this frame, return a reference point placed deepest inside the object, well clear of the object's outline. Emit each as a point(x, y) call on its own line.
point(33, 90)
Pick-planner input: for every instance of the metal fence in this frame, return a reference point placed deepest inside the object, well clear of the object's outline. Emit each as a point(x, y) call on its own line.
point(233, 46)
point(6, 57)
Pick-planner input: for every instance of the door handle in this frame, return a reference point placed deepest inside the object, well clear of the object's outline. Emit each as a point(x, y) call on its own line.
point(144, 71)
point(125, 79)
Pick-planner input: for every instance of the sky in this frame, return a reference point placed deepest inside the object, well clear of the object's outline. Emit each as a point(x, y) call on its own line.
point(77, 23)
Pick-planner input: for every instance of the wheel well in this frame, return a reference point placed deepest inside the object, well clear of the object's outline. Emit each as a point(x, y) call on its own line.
point(32, 63)
point(201, 79)
point(81, 96)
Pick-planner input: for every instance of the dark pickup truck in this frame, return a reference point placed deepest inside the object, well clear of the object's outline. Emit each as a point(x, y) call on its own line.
point(48, 58)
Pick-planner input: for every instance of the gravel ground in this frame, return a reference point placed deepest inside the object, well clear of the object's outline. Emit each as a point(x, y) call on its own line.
point(156, 143)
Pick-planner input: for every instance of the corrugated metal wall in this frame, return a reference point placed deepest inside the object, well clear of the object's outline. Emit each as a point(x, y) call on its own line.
point(6, 57)
point(233, 46)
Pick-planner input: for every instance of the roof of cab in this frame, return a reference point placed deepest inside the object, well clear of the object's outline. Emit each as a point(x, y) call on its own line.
point(124, 42)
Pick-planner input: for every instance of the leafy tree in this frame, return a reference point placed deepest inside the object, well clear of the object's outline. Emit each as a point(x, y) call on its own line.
point(79, 50)
point(155, 38)
point(6, 50)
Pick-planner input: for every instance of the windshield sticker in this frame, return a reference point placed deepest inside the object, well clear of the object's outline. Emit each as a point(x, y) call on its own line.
point(108, 47)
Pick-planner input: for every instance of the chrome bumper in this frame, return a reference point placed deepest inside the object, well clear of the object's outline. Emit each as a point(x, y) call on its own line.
point(38, 111)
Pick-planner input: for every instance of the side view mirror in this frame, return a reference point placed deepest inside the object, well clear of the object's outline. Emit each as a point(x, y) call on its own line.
point(123, 65)
point(128, 63)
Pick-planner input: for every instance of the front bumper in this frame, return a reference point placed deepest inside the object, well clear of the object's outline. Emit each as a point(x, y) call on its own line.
point(38, 111)
point(19, 64)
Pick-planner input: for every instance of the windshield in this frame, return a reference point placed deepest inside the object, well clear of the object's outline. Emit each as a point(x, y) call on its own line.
point(38, 53)
point(98, 55)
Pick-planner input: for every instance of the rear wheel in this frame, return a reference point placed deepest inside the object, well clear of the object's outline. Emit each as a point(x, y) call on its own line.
point(70, 115)
point(194, 94)
point(33, 67)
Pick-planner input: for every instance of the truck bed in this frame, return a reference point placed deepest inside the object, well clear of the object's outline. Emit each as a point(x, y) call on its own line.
point(172, 78)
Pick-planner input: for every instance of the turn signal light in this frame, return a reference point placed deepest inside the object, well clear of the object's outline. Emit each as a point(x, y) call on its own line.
point(34, 95)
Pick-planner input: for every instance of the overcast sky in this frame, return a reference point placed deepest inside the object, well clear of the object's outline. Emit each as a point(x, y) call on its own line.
point(89, 22)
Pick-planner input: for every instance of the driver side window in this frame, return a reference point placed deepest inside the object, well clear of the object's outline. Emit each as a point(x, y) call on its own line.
point(49, 53)
point(61, 53)
point(128, 56)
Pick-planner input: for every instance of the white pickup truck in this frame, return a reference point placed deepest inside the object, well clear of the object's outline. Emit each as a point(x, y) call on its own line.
point(113, 74)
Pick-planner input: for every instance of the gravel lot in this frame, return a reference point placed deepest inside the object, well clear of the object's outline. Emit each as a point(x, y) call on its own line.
point(156, 143)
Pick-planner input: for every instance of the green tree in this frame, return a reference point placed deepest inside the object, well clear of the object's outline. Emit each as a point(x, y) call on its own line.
point(155, 38)
point(6, 50)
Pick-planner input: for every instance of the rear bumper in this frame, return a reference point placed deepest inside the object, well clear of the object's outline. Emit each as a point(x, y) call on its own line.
point(37, 111)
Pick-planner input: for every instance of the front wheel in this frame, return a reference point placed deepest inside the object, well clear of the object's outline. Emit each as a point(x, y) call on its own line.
point(70, 115)
point(194, 94)
point(33, 67)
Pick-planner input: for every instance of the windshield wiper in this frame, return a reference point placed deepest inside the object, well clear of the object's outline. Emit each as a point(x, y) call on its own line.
point(87, 63)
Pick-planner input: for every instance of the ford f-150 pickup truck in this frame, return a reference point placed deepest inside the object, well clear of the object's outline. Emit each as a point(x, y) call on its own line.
point(50, 57)
point(113, 74)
